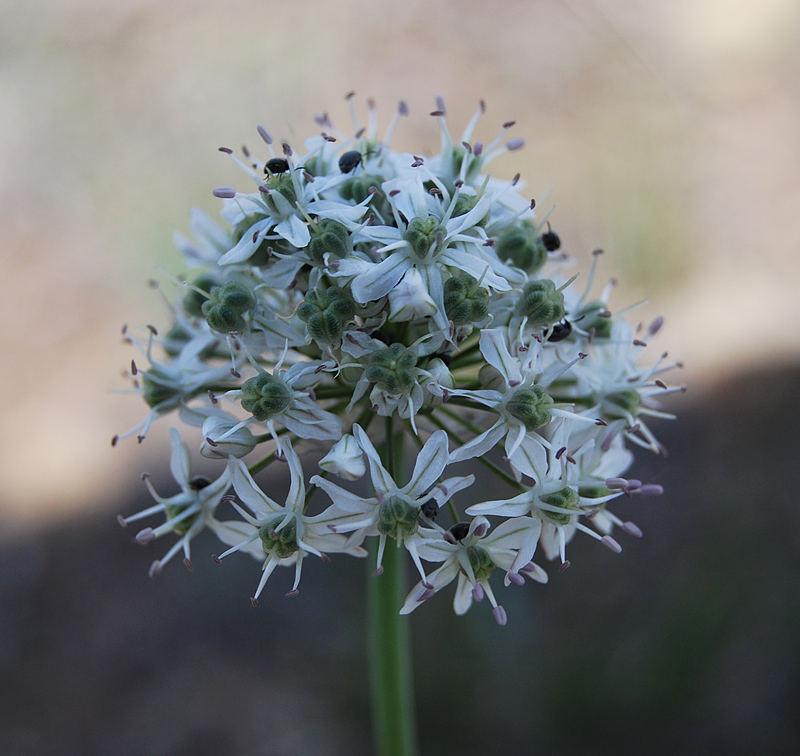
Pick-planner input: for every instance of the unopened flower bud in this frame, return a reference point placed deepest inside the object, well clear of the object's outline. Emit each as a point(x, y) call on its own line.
point(531, 406)
point(332, 238)
point(227, 306)
point(345, 459)
point(220, 443)
point(464, 300)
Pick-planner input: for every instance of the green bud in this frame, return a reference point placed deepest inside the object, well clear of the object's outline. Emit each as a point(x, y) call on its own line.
point(480, 561)
point(358, 188)
point(182, 527)
point(397, 517)
point(159, 389)
point(194, 300)
point(282, 543)
point(566, 498)
point(390, 369)
point(464, 300)
point(531, 406)
point(326, 313)
point(589, 318)
point(265, 396)
point(541, 303)
point(421, 235)
point(330, 237)
point(622, 404)
point(226, 308)
point(522, 246)
point(281, 183)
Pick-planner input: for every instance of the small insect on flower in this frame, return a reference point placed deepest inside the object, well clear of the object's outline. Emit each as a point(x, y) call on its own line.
point(560, 331)
point(276, 166)
point(350, 161)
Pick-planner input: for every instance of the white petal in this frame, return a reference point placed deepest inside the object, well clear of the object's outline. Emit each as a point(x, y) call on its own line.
point(430, 464)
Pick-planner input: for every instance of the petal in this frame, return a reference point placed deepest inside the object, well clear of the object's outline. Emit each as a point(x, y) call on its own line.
point(179, 462)
point(495, 350)
point(380, 477)
point(380, 279)
point(430, 464)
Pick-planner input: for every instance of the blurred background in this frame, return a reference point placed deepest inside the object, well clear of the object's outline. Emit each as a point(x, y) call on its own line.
point(667, 134)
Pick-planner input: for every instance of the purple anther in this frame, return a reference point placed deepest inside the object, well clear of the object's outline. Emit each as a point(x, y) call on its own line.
point(610, 543)
point(600, 421)
point(378, 572)
point(155, 569)
point(560, 452)
point(187, 563)
point(489, 243)
point(639, 342)
point(360, 133)
point(287, 149)
point(144, 536)
point(325, 558)
point(516, 179)
point(350, 95)
point(480, 530)
point(655, 326)
point(660, 383)
point(226, 150)
point(477, 592)
point(437, 113)
point(426, 594)
point(294, 592)
point(592, 513)
point(440, 104)
point(500, 616)
point(467, 146)
point(515, 144)
point(224, 192)
point(402, 108)
point(264, 134)
point(449, 537)
point(533, 203)
point(632, 529)
point(571, 459)
point(254, 601)
point(216, 559)
point(516, 578)
point(394, 192)
point(212, 397)
point(263, 190)
point(122, 521)
point(564, 565)
point(477, 149)
point(616, 483)
point(650, 489)
point(211, 442)
point(482, 105)
point(634, 484)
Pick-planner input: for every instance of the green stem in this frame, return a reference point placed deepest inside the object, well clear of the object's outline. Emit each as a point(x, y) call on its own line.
point(394, 720)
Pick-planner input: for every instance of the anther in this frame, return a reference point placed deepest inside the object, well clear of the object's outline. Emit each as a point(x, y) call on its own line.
point(378, 572)
point(477, 592)
point(467, 146)
point(477, 149)
point(440, 104)
point(155, 569)
point(515, 144)
point(600, 421)
point(560, 452)
point(650, 489)
point(264, 134)
point(152, 330)
point(609, 542)
point(145, 475)
point(212, 397)
point(188, 564)
point(515, 180)
point(114, 440)
point(226, 150)
point(325, 558)
point(287, 149)
point(489, 243)
point(639, 342)
point(254, 601)
point(293, 593)
point(480, 530)
point(121, 520)
point(224, 192)
point(660, 383)
point(616, 483)
point(216, 559)
point(632, 529)
point(516, 578)
point(211, 442)
point(500, 616)
point(143, 537)
point(564, 565)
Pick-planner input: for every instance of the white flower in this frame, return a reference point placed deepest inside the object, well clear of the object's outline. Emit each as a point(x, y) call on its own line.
point(281, 535)
point(394, 511)
point(187, 512)
point(345, 459)
point(467, 552)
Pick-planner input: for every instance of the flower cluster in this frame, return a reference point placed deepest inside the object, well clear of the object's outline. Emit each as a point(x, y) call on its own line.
point(360, 301)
